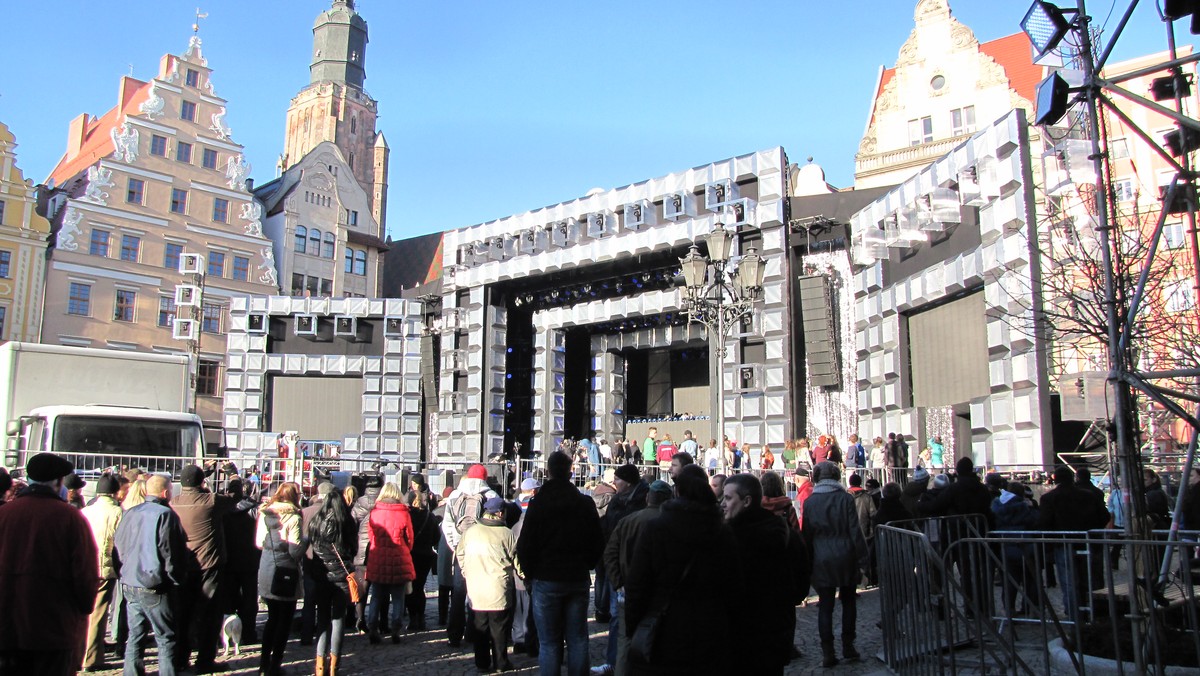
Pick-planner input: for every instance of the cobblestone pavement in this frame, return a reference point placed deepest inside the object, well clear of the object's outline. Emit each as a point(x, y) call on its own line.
point(429, 653)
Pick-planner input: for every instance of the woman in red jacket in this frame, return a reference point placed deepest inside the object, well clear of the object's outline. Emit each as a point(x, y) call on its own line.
point(389, 559)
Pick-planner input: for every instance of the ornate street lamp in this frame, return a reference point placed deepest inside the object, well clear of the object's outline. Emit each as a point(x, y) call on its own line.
point(721, 300)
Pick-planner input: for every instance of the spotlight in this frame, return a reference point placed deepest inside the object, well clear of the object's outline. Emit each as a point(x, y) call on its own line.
point(1051, 99)
point(1164, 88)
point(1181, 141)
point(1046, 25)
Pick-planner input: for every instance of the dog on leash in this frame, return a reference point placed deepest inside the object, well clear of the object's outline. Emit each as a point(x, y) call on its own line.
point(231, 635)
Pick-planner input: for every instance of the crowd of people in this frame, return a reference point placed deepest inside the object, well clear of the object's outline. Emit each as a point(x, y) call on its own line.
point(653, 557)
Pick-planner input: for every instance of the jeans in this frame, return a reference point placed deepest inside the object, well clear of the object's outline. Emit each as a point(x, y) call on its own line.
point(331, 602)
point(275, 634)
point(457, 623)
point(308, 611)
point(381, 594)
point(149, 610)
point(560, 612)
point(601, 592)
point(825, 601)
point(1069, 579)
point(614, 627)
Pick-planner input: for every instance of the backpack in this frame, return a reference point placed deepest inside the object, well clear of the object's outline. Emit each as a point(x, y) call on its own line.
point(860, 454)
point(465, 511)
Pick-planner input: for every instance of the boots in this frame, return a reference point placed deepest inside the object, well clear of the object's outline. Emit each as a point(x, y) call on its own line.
point(848, 650)
point(829, 658)
point(321, 666)
point(333, 665)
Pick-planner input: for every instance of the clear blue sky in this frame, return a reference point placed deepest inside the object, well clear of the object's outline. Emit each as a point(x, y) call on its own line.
point(496, 108)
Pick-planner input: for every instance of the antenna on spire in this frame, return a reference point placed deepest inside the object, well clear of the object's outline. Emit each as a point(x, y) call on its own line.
point(196, 25)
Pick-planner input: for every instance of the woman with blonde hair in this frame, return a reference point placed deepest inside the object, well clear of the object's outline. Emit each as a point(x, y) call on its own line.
point(351, 496)
point(390, 569)
point(279, 536)
point(135, 496)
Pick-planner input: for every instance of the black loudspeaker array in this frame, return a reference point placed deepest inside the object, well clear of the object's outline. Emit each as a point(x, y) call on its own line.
point(820, 337)
point(429, 362)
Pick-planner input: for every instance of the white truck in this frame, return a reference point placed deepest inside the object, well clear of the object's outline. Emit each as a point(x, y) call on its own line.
point(101, 409)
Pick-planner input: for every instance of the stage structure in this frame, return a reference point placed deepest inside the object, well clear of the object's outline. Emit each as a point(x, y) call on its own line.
point(542, 312)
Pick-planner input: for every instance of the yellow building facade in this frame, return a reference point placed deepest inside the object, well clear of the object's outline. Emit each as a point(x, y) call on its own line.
point(23, 236)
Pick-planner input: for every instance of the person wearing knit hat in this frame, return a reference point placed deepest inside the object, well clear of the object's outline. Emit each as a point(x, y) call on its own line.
point(487, 556)
point(49, 565)
point(464, 507)
point(477, 472)
point(103, 516)
point(628, 473)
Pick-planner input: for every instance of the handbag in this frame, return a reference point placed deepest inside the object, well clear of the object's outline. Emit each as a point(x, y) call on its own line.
point(285, 579)
point(641, 646)
point(351, 582)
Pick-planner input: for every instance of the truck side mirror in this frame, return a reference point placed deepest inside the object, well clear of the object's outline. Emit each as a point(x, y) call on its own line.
point(11, 458)
point(13, 428)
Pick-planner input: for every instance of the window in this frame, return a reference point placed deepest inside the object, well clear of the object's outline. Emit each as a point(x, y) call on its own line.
point(183, 152)
point(129, 247)
point(1123, 190)
point(99, 243)
point(79, 300)
point(326, 287)
point(241, 268)
point(209, 159)
point(311, 286)
point(301, 238)
point(3, 320)
point(353, 217)
point(216, 264)
point(297, 284)
point(207, 377)
point(211, 322)
point(171, 255)
point(349, 260)
point(360, 262)
point(1118, 149)
point(1180, 296)
point(192, 79)
point(353, 124)
point(187, 111)
point(135, 190)
point(166, 311)
point(1, 211)
point(327, 246)
point(158, 145)
point(1173, 234)
point(314, 242)
point(178, 201)
point(351, 160)
point(5, 263)
point(220, 210)
point(920, 131)
point(123, 310)
point(962, 120)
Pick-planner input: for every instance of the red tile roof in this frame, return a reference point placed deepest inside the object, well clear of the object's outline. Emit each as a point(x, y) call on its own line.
point(97, 142)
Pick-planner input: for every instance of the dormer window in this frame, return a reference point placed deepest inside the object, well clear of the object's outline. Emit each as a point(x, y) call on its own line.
point(192, 78)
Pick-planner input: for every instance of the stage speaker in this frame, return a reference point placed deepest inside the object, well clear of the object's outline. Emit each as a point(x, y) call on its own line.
point(820, 338)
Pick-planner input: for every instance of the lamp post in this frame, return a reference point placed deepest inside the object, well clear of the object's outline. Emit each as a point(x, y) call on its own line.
point(720, 300)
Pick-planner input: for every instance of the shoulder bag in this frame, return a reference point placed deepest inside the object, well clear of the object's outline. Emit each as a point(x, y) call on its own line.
point(285, 579)
point(641, 646)
point(351, 582)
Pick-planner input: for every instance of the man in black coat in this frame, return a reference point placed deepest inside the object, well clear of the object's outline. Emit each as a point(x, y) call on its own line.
point(967, 496)
point(762, 539)
point(1070, 508)
point(560, 543)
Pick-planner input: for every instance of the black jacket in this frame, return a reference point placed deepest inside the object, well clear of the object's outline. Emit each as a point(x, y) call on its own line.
point(967, 495)
point(891, 509)
point(326, 562)
point(762, 539)
point(241, 528)
point(711, 593)
point(561, 539)
point(1071, 508)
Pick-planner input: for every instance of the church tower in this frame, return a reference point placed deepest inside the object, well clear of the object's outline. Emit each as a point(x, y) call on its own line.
point(334, 106)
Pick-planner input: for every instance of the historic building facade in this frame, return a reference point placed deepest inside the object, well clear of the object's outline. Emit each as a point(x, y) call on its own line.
point(23, 234)
point(140, 189)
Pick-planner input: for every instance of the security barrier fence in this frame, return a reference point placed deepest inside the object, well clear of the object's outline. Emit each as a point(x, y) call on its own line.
point(957, 598)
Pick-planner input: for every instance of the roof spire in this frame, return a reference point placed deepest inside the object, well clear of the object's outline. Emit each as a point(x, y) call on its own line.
point(196, 25)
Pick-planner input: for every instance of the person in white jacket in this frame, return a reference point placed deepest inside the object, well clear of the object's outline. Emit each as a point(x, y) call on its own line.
point(464, 507)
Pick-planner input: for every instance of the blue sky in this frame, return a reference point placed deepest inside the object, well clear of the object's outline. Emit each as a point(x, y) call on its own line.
point(496, 108)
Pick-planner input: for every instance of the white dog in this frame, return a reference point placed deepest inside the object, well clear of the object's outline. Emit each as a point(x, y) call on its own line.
point(231, 634)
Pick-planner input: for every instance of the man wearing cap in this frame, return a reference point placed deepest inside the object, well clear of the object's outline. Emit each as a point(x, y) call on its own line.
point(103, 515)
point(487, 554)
point(151, 556)
point(618, 559)
point(48, 575)
point(202, 514)
point(560, 543)
point(464, 506)
point(74, 485)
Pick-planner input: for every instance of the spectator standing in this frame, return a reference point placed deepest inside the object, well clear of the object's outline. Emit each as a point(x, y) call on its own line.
point(241, 567)
point(6, 483)
point(487, 553)
point(689, 445)
point(1191, 501)
point(856, 454)
point(360, 512)
point(776, 501)
point(839, 554)
point(390, 570)
point(650, 446)
point(560, 543)
point(524, 633)
point(687, 559)
point(102, 516)
point(965, 496)
point(712, 456)
point(48, 575)
point(202, 514)
point(897, 457)
point(666, 450)
point(768, 458)
point(804, 489)
point(1069, 508)
point(1014, 513)
point(74, 485)
point(1158, 505)
point(878, 456)
point(464, 506)
point(279, 535)
point(308, 612)
point(426, 533)
point(864, 505)
point(153, 561)
point(937, 453)
point(334, 539)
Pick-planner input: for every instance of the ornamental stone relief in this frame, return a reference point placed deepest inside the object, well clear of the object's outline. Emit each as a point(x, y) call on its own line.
point(69, 230)
point(267, 267)
point(236, 170)
point(99, 178)
point(908, 51)
point(153, 106)
point(962, 37)
point(125, 142)
point(219, 127)
point(252, 214)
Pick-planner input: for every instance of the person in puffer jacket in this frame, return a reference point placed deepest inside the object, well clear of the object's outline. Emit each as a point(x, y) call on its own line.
point(360, 511)
point(389, 559)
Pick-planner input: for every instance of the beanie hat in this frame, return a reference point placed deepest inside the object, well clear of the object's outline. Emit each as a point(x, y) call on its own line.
point(74, 482)
point(324, 488)
point(191, 477)
point(941, 481)
point(628, 474)
point(921, 474)
point(48, 467)
point(477, 472)
point(107, 485)
point(660, 486)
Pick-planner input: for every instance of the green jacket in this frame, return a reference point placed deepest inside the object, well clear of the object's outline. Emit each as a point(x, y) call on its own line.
point(649, 451)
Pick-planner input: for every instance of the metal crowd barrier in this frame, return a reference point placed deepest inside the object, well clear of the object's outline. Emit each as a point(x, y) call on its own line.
point(955, 598)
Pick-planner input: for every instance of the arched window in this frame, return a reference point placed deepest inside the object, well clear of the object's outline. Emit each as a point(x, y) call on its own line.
point(327, 247)
point(360, 262)
point(349, 260)
point(351, 162)
point(353, 124)
point(314, 242)
point(301, 236)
